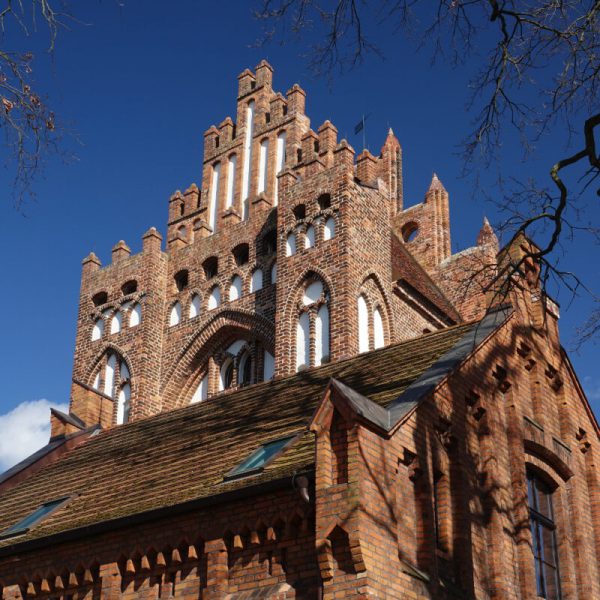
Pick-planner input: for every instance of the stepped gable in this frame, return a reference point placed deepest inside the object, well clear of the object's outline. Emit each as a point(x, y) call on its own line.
point(184, 454)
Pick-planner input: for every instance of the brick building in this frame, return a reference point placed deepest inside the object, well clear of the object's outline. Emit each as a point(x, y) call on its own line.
point(305, 394)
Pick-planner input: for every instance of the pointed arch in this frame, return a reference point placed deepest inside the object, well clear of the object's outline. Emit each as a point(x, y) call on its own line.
point(377, 296)
point(223, 324)
point(175, 314)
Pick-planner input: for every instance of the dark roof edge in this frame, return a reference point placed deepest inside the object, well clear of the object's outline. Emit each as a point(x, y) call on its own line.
point(581, 391)
point(70, 418)
point(53, 444)
point(363, 406)
point(149, 515)
point(447, 363)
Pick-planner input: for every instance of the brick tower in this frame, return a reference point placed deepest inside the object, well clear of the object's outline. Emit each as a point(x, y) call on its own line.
point(305, 395)
point(293, 253)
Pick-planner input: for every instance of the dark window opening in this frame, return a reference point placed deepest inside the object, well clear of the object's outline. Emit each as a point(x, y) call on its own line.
point(181, 279)
point(267, 117)
point(241, 254)
point(324, 201)
point(210, 267)
point(270, 242)
point(32, 519)
point(100, 298)
point(543, 533)
point(228, 377)
point(316, 146)
point(285, 110)
point(299, 155)
point(260, 457)
point(129, 287)
point(181, 209)
point(252, 84)
point(300, 212)
point(217, 142)
point(245, 375)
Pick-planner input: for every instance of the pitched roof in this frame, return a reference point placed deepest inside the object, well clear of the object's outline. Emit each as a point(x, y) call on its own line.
point(408, 271)
point(182, 455)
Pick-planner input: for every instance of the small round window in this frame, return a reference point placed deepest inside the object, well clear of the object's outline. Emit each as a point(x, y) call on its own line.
point(410, 231)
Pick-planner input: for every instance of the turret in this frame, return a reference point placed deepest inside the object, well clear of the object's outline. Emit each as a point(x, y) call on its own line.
point(390, 170)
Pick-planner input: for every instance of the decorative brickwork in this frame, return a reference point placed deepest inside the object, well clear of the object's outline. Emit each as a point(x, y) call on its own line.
point(306, 396)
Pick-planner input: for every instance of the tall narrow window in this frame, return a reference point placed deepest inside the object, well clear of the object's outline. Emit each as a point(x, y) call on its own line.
point(363, 325)
point(290, 245)
point(312, 324)
point(309, 237)
point(322, 335)
point(195, 306)
point(263, 166)
point(256, 281)
point(214, 197)
point(268, 366)
point(247, 172)
point(115, 322)
point(543, 532)
point(109, 375)
point(235, 290)
point(378, 334)
point(214, 299)
point(279, 162)
point(303, 341)
point(135, 316)
point(123, 404)
point(231, 165)
point(175, 315)
point(226, 375)
point(98, 329)
point(329, 229)
point(245, 369)
point(201, 392)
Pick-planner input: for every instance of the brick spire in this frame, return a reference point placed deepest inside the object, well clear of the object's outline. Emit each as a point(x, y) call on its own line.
point(436, 184)
point(487, 235)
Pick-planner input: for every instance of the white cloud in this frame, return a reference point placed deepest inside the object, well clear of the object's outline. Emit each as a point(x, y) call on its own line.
point(25, 429)
point(592, 388)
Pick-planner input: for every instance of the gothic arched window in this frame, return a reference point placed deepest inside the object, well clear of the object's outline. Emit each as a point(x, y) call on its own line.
point(363, 324)
point(256, 281)
point(214, 299)
point(214, 197)
point(235, 289)
point(115, 322)
point(175, 315)
point(245, 376)
point(378, 332)
point(226, 375)
point(290, 244)
point(123, 404)
point(263, 166)
point(309, 237)
point(312, 323)
point(98, 329)
point(329, 229)
point(201, 392)
point(194, 306)
point(135, 316)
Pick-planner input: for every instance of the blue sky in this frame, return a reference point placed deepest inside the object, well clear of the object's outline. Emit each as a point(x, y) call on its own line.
point(136, 86)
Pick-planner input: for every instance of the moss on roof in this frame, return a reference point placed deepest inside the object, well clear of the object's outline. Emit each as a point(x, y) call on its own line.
point(183, 454)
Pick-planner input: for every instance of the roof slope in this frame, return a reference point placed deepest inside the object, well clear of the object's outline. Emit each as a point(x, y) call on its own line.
point(406, 268)
point(183, 454)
